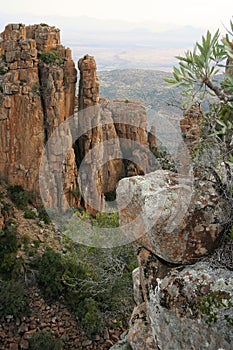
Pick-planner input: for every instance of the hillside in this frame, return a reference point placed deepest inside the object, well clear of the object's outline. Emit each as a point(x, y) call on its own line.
point(147, 86)
point(40, 289)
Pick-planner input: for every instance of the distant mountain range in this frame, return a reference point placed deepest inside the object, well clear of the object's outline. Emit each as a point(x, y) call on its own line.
point(117, 44)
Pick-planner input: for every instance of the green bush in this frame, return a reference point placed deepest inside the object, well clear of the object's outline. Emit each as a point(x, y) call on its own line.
point(13, 299)
point(165, 159)
point(25, 240)
point(51, 57)
point(29, 214)
point(8, 250)
point(91, 317)
point(6, 207)
point(8, 241)
point(73, 277)
point(43, 215)
point(2, 70)
point(44, 341)
point(229, 234)
point(106, 278)
point(93, 282)
point(104, 219)
point(3, 57)
point(36, 243)
point(60, 275)
point(19, 196)
point(51, 270)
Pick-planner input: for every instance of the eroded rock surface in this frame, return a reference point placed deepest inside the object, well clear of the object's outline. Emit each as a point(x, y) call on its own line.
point(184, 307)
point(173, 217)
point(113, 139)
point(193, 309)
point(37, 94)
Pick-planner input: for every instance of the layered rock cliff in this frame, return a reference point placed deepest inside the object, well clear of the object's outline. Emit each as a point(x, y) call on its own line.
point(37, 93)
point(113, 140)
point(38, 78)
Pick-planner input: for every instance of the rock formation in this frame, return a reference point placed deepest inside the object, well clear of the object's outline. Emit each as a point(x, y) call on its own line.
point(181, 308)
point(182, 302)
point(37, 93)
point(37, 83)
point(113, 139)
point(183, 221)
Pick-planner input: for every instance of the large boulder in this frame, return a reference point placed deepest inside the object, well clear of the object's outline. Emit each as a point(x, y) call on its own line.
point(177, 219)
point(193, 309)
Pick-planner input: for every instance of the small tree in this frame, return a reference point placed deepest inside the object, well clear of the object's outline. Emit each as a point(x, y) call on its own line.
point(198, 69)
point(208, 69)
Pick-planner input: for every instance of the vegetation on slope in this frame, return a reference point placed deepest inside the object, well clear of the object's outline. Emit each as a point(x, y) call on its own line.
point(95, 284)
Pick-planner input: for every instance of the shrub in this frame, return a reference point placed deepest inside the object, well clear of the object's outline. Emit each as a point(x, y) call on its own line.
point(93, 282)
point(51, 57)
point(25, 240)
point(13, 299)
point(104, 219)
point(106, 278)
point(165, 159)
point(44, 341)
point(91, 317)
point(3, 57)
point(51, 270)
point(29, 214)
point(229, 234)
point(6, 207)
point(19, 196)
point(8, 250)
point(43, 215)
point(2, 70)
point(36, 243)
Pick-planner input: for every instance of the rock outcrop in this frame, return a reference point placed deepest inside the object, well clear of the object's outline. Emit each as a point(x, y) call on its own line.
point(37, 93)
point(192, 308)
point(182, 221)
point(113, 140)
point(189, 308)
point(37, 83)
point(183, 297)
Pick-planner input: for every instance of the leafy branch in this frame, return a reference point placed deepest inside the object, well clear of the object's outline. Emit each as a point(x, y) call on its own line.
point(198, 68)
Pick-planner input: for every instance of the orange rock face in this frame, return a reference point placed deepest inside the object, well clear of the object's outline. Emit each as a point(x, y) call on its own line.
point(38, 82)
point(113, 142)
point(36, 96)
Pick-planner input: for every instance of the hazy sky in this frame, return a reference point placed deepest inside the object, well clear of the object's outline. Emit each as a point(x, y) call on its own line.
point(200, 13)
